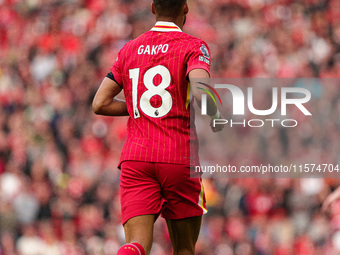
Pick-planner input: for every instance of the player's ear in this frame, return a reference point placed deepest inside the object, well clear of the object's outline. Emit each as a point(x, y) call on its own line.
point(153, 9)
point(186, 8)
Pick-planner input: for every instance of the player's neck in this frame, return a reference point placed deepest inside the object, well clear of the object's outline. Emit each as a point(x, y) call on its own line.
point(178, 21)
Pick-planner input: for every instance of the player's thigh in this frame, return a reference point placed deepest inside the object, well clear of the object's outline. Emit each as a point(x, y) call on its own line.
point(184, 194)
point(184, 234)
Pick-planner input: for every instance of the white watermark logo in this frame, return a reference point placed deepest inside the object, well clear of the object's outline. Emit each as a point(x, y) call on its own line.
point(240, 100)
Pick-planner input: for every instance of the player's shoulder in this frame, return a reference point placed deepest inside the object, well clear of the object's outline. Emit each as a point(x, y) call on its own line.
point(191, 37)
point(194, 42)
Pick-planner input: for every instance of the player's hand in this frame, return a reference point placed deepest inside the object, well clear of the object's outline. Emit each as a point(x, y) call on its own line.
point(218, 127)
point(330, 199)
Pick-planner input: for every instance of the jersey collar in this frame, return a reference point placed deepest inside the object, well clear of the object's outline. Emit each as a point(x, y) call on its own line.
point(163, 26)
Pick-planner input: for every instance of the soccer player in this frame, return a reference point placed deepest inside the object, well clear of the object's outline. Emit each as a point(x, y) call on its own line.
point(154, 71)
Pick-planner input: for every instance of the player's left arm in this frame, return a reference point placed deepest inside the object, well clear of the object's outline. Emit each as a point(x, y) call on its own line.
point(199, 73)
point(196, 75)
point(104, 102)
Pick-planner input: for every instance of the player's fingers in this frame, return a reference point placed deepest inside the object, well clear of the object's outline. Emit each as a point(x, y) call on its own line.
point(217, 128)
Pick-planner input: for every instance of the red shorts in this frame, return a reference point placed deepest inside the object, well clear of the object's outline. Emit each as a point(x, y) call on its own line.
point(160, 188)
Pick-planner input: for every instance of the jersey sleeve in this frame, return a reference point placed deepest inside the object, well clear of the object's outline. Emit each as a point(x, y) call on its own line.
point(199, 57)
point(116, 70)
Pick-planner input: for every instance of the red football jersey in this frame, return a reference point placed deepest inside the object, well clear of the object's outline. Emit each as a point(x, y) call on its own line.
point(152, 69)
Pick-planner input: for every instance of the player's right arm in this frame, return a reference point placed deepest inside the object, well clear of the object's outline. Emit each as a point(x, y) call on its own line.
point(104, 102)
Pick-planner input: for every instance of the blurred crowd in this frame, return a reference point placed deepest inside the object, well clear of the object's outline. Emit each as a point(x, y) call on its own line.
point(59, 185)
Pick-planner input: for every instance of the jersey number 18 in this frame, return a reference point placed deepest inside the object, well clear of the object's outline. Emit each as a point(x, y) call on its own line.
point(152, 90)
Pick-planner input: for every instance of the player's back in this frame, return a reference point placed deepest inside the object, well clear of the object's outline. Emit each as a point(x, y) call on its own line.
point(154, 70)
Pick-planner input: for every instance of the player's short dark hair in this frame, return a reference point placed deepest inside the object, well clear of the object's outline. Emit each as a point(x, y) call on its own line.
point(168, 8)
